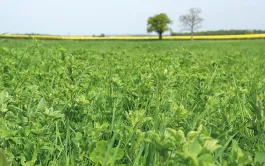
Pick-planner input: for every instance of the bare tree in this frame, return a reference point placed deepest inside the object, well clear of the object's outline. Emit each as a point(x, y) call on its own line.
point(191, 21)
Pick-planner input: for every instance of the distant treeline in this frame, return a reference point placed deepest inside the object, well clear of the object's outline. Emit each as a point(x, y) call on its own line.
point(36, 34)
point(221, 32)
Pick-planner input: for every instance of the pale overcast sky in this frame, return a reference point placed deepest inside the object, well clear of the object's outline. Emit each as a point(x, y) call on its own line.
point(87, 17)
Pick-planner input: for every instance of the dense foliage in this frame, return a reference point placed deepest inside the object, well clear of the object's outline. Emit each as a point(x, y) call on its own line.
point(132, 103)
point(159, 24)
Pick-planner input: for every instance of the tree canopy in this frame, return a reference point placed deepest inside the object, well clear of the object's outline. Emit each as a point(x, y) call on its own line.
point(159, 24)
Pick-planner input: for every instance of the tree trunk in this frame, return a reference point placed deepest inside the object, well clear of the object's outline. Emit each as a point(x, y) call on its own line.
point(160, 36)
point(192, 33)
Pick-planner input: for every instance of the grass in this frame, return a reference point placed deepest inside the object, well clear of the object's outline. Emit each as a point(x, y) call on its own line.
point(132, 102)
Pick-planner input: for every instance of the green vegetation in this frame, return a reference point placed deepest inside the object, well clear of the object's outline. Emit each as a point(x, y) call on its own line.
point(132, 103)
point(159, 24)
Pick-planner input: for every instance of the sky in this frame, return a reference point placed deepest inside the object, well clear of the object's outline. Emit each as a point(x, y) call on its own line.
point(122, 17)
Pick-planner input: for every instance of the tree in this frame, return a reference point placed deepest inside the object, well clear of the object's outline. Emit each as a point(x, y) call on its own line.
point(192, 21)
point(159, 24)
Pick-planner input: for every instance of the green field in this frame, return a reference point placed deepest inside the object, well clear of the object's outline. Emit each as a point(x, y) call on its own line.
point(134, 103)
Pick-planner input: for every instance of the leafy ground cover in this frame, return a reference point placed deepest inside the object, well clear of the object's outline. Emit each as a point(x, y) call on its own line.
point(132, 103)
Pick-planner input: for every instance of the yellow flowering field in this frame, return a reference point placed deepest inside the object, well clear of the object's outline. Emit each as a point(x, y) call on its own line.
point(248, 36)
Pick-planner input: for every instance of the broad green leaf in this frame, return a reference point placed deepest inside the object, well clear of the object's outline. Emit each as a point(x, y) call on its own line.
point(42, 104)
point(260, 157)
point(178, 136)
point(192, 134)
point(78, 136)
point(211, 145)
point(99, 154)
point(119, 155)
point(3, 96)
point(195, 148)
point(3, 160)
point(206, 160)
